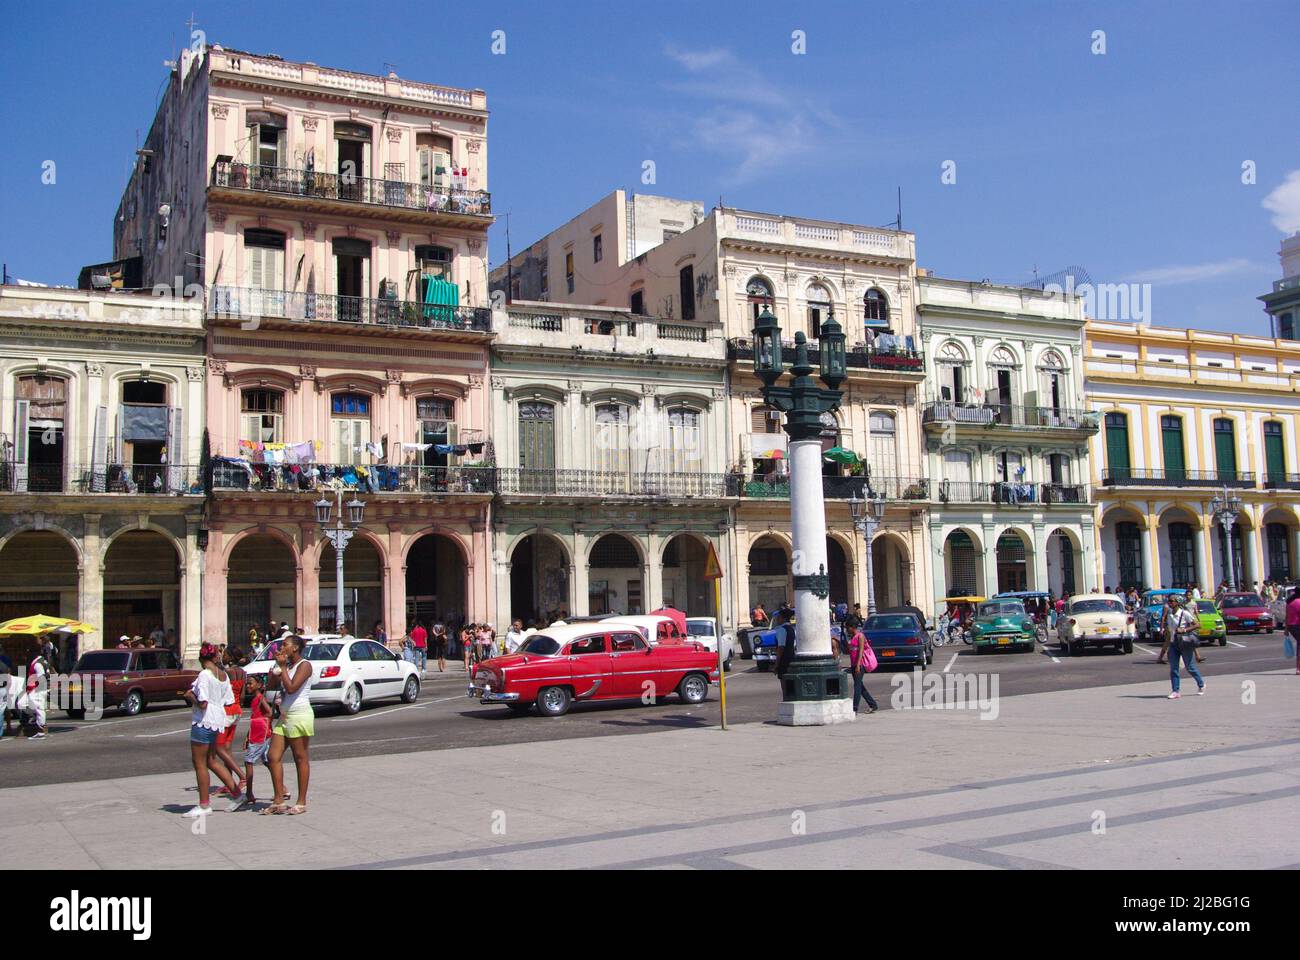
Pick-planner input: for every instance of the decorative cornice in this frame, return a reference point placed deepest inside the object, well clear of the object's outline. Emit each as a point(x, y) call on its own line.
point(220, 111)
point(310, 123)
point(394, 375)
point(474, 146)
point(394, 134)
point(217, 367)
point(94, 369)
point(195, 374)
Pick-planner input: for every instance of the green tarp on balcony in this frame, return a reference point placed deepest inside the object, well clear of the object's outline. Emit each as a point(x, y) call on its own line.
point(441, 298)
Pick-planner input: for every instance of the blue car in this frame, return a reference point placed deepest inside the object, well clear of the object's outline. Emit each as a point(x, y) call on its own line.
point(1151, 612)
point(899, 638)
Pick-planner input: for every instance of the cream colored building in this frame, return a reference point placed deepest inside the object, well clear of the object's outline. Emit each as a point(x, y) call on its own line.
point(722, 270)
point(101, 496)
point(1007, 439)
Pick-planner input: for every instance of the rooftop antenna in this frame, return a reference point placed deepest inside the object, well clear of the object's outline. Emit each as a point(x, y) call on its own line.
point(390, 68)
point(899, 220)
point(510, 274)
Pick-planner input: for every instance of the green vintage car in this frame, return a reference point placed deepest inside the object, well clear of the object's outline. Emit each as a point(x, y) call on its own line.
point(1002, 623)
point(1211, 626)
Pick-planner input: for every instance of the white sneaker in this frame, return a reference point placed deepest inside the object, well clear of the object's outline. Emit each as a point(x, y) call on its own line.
point(1174, 696)
point(195, 812)
point(236, 802)
point(1201, 691)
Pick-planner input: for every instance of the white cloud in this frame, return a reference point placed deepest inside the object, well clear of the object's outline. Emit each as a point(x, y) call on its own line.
point(697, 60)
point(1193, 272)
point(1284, 204)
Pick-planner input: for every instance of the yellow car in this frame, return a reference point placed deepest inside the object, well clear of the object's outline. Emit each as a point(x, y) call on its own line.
point(1210, 623)
point(1095, 620)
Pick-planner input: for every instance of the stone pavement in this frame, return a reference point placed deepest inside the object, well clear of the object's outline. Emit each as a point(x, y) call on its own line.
point(1102, 777)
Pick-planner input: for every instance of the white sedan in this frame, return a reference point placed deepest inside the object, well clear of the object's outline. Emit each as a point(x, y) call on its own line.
point(1095, 620)
point(350, 673)
point(705, 630)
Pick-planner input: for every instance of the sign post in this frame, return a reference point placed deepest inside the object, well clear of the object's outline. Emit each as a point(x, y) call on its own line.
point(713, 571)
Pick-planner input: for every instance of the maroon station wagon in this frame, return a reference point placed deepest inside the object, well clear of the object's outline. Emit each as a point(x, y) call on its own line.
point(132, 679)
point(593, 661)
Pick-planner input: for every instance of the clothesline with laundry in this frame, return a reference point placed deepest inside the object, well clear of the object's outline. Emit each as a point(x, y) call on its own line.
point(280, 454)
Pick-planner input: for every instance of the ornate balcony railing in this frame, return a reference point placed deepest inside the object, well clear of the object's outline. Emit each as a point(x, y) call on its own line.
point(252, 304)
point(1134, 477)
point(844, 488)
point(234, 474)
point(143, 479)
point(899, 358)
point(612, 483)
point(291, 182)
point(1011, 415)
point(1281, 481)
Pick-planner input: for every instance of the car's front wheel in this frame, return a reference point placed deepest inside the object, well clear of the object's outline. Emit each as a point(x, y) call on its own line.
point(410, 690)
point(1223, 641)
point(694, 688)
point(133, 704)
point(1128, 645)
point(554, 701)
point(352, 699)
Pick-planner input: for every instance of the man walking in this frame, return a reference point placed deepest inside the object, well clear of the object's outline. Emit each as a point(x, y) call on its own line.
point(420, 639)
point(1181, 628)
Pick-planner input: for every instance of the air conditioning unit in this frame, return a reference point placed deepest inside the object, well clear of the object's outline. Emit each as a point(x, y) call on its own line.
point(774, 414)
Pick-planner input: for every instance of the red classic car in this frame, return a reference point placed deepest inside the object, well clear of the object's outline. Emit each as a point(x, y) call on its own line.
point(1245, 613)
point(592, 661)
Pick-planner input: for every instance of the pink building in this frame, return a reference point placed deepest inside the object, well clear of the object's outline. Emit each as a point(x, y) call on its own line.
point(337, 224)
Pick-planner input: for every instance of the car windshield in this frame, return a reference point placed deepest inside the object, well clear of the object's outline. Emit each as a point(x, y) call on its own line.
point(699, 628)
point(540, 644)
point(897, 621)
point(104, 660)
point(269, 652)
point(1241, 600)
point(322, 651)
point(1097, 606)
point(1206, 606)
point(1005, 608)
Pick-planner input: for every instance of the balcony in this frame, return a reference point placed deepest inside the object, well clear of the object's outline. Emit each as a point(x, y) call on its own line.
point(317, 190)
point(1019, 494)
point(252, 306)
point(140, 479)
point(603, 334)
point(899, 358)
point(1130, 477)
point(1282, 481)
point(310, 478)
point(997, 415)
point(613, 484)
point(843, 488)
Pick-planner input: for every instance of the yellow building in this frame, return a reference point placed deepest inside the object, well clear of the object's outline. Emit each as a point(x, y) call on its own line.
point(1185, 415)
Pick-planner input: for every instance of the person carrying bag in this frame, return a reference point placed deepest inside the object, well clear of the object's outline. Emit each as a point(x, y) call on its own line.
point(1182, 632)
point(862, 660)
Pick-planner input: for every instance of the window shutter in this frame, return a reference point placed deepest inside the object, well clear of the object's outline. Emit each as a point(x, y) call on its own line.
point(253, 267)
point(1274, 453)
point(1225, 450)
point(176, 454)
point(1117, 461)
point(758, 419)
point(21, 416)
point(99, 451)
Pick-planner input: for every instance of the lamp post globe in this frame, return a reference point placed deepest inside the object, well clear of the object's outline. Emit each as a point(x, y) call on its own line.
point(768, 363)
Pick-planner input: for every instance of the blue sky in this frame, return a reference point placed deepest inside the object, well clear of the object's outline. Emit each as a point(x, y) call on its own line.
point(1128, 163)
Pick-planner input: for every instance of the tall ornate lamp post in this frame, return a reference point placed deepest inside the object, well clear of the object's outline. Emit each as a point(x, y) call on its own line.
point(813, 690)
point(339, 536)
point(867, 515)
point(1226, 507)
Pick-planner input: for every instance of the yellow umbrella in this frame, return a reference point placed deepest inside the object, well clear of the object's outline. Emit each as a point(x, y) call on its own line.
point(40, 624)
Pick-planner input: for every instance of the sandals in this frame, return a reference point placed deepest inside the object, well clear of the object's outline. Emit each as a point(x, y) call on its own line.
point(275, 808)
point(297, 809)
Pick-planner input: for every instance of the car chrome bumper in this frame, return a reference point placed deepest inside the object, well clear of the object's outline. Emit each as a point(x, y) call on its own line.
point(491, 696)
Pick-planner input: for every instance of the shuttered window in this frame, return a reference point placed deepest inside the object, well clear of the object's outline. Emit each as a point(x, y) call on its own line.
point(1117, 459)
point(537, 436)
point(1171, 441)
point(1274, 451)
point(884, 446)
point(349, 427)
point(1225, 448)
point(685, 451)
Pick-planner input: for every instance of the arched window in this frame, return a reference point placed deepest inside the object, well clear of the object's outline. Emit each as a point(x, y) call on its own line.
point(1182, 555)
point(261, 415)
point(1002, 389)
point(759, 293)
point(685, 452)
point(1053, 397)
point(1171, 445)
point(536, 446)
point(1225, 448)
point(819, 308)
point(37, 454)
point(875, 309)
point(144, 425)
point(349, 427)
point(952, 373)
point(830, 439)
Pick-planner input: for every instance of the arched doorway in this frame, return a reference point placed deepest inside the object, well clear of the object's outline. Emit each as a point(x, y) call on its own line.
point(141, 586)
point(1012, 562)
point(437, 579)
point(38, 574)
point(614, 576)
point(837, 569)
point(1123, 563)
point(363, 587)
point(684, 586)
point(1063, 561)
point(1279, 539)
point(539, 579)
point(261, 586)
point(1242, 555)
point(889, 571)
point(769, 574)
point(963, 570)
point(1180, 560)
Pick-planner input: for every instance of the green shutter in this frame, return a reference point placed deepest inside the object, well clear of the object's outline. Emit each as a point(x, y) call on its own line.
point(1225, 449)
point(1117, 461)
point(1274, 454)
point(1171, 437)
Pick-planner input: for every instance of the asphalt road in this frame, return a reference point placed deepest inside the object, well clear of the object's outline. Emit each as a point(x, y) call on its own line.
point(444, 718)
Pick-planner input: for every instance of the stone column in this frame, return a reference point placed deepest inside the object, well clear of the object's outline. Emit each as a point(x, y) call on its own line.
point(308, 578)
point(90, 590)
point(1203, 535)
point(653, 591)
point(1087, 570)
point(1041, 577)
point(579, 574)
point(938, 569)
point(1151, 553)
point(190, 632)
point(990, 558)
point(395, 584)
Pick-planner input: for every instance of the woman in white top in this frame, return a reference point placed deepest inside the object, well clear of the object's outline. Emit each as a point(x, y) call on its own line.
point(208, 695)
point(291, 674)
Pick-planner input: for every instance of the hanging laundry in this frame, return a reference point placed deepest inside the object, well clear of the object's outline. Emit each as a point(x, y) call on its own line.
point(375, 450)
point(460, 449)
point(476, 448)
point(299, 452)
point(406, 447)
point(443, 448)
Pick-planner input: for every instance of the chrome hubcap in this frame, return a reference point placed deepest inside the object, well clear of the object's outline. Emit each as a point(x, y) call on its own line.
point(553, 699)
point(354, 697)
point(695, 688)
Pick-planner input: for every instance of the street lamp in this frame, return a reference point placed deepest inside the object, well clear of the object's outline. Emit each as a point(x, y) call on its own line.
point(339, 535)
point(1226, 507)
point(813, 689)
point(867, 515)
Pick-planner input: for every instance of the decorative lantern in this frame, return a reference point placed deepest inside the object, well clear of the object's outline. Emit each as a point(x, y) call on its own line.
point(768, 365)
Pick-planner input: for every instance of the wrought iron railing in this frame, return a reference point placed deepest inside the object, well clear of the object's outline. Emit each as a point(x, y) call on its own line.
point(252, 304)
point(611, 483)
point(844, 488)
point(236, 474)
point(291, 182)
point(1274, 480)
point(1010, 415)
point(1142, 477)
point(962, 491)
point(145, 479)
point(900, 358)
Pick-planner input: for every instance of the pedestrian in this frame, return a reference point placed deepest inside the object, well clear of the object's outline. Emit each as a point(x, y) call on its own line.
point(1293, 623)
point(420, 640)
point(344, 632)
point(221, 750)
point(380, 634)
point(158, 637)
point(467, 644)
point(1183, 633)
point(862, 660)
point(440, 645)
point(292, 674)
point(208, 695)
point(36, 692)
point(258, 740)
point(484, 642)
point(1166, 627)
point(786, 639)
point(758, 616)
point(515, 635)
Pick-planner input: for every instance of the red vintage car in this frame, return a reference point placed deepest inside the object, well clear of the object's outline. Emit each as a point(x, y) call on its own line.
point(592, 661)
point(1245, 613)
